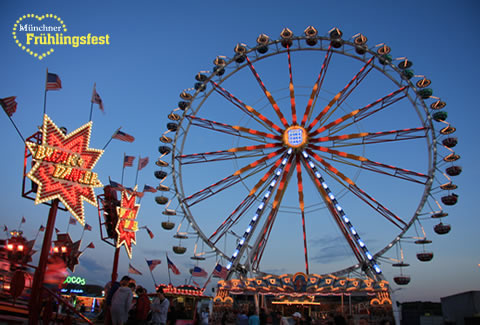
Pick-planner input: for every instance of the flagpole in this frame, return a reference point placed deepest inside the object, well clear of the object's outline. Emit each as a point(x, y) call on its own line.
point(208, 280)
point(15, 126)
point(123, 168)
point(45, 95)
point(91, 102)
point(154, 282)
point(138, 165)
point(68, 226)
point(83, 231)
point(111, 138)
point(168, 268)
point(21, 222)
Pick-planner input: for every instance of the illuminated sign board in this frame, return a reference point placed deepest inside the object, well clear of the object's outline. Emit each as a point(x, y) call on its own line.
point(74, 280)
point(63, 167)
point(127, 225)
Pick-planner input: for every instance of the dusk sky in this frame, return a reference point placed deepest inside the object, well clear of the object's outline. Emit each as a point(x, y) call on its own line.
point(155, 50)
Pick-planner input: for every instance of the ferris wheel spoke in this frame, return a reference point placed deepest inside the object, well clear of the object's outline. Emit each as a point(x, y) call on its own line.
point(230, 154)
point(268, 94)
point(229, 129)
point(377, 206)
point(262, 239)
point(302, 210)
point(250, 111)
point(318, 85)
point(373, 137)
point(231, 180)
point(245, 204)
point(291, 88)
point(345, 92)
point(377, 167)
point(361, 113)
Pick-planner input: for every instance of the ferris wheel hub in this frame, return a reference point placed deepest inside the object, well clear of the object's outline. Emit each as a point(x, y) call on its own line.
point(295, 136)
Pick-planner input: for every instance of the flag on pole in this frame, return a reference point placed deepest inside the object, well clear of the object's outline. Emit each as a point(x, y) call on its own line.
point(57, 230)
point(116, 186)
point(142, 162)
point(88, 227)
point(5, 228)
point(199, 272)
point(91, 245)
point(220, 271)
point(153, 263)
point(72, 221)
point(96, 98)
point(195, 283)
point(133, 270)
point(23, 220)
point(128, 161)
point(42, 228)
point(122, 136)
point(150, 233)
point(147, 188)
point(53, 82)
point(172, 267)
point(9, 105)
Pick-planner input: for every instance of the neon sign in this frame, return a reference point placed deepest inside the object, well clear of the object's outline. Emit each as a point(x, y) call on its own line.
point(63, 167)
point(127, 226)
point(74, 280)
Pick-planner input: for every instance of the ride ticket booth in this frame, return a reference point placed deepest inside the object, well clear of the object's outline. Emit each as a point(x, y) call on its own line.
point(184, 302)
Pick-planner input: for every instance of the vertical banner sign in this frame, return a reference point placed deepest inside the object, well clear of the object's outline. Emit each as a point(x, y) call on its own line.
point(127, 225)
point(63, 167)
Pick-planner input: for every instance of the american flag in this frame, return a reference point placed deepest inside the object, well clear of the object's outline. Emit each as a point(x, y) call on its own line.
point(150, 233)
point(91, 245)
point(42, 228)
point(172, 267)
point(142, 162)
point(147, 188)
point(116, 186)
point(220, 271)
point(122, 136)
point(128, 161)
point(53, 82)
point(23, 220)
point(9, 105)
point(96, 97)
point(198, 271)
point(88, 227)
point(153, 263)
point(72, 221)
point(133, 270)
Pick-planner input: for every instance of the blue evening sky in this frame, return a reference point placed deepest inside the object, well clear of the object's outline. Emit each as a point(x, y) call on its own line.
point(157, 47)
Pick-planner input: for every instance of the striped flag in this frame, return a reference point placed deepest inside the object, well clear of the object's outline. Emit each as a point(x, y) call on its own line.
point(91, 245)
point(133, 270)
point(122, 136)
point(142, 162)
point(198, 271)
point(72, 221)
point(53, 82)
point(116, 186)
point(88, 227)
point(9, 105)
point(220, 271)
point(147, 188)
point(23, 220)
point(150, 233)
point(128, 161)
point(96, 98)
point(42, 228)
point(172, 267)
point(153, 263)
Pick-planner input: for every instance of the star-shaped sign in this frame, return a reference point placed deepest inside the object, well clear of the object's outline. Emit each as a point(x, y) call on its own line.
point(63, 167)
point(127, 226)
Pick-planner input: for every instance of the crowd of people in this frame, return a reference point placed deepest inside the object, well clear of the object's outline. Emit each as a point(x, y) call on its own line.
point(122, 309)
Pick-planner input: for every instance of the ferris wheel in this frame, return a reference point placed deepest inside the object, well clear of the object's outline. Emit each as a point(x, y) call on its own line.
point(322, 151)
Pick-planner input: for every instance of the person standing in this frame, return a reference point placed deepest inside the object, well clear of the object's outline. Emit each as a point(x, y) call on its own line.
point(160, 308)
point(110, 290)
point(143, 306)
point(121, 302)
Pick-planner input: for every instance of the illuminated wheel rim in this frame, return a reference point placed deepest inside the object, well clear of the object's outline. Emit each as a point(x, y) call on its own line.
point(294, 148)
